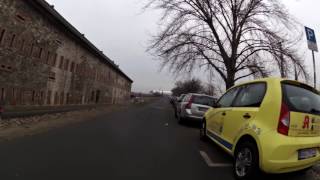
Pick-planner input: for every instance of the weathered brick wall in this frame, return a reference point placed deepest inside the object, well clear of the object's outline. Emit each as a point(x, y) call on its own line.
point(41, 64)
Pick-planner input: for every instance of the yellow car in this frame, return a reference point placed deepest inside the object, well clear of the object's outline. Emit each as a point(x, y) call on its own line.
point(270, 124)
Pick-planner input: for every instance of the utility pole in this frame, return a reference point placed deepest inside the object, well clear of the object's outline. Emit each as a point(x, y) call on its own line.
point(314, 70)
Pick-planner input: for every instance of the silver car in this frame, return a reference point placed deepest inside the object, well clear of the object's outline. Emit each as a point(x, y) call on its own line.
point(177, 104)
point(194, 106)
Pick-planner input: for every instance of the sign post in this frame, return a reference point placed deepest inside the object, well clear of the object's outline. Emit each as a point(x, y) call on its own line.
point(312, 45)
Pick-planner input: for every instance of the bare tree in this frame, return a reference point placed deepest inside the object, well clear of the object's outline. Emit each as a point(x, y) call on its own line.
point(188, 86)
point(236, 38)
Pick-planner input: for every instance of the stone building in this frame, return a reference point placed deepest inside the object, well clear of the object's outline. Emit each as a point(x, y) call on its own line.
point(45, 61)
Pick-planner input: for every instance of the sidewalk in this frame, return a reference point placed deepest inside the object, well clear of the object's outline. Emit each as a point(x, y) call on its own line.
point(18, 112)
point(24, 122)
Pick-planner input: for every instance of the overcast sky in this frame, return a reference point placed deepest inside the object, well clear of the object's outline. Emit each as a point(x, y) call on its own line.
point(122, 31)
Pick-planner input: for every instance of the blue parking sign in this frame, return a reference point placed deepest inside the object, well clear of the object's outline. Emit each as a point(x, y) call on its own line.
point(311, 37)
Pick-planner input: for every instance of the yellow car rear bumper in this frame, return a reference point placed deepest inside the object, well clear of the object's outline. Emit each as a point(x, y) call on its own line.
point(280, 153)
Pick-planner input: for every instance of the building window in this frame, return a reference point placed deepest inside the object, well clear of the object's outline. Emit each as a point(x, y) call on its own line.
point(33, 96)
point(52, 76)
point(61, 62)
point(56, 98)
point(41, 98)
point(72, 67)
point(40, 53)
point(3, 32)
point(62, 98)
point(68, 98)
point(48, 57)
point(54, 61)
point(2, 94)
point(23, 41)
point(21, 18)
point(31, 49)
point(92, 96)
point(6, 68)
point(66, 65)
point(12, 40)
point(49, 97)
point(58, 42)
point(13, 93)
point(75, 68)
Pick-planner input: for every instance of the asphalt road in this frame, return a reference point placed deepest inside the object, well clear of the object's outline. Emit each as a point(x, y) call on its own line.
point(134, 143)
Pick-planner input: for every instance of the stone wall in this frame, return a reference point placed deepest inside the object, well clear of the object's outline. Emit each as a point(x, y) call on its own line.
point(43, 64)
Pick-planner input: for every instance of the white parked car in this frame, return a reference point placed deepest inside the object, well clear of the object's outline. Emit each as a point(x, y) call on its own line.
point(194, 106)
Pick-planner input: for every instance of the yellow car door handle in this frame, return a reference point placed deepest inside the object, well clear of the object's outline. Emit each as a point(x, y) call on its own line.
point(247, 116)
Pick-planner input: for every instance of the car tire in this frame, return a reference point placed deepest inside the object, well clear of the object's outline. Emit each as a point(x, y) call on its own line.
point(203, 131)
point(246, 161)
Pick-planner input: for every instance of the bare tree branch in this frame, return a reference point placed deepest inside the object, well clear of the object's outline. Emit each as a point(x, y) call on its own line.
point(236, 38)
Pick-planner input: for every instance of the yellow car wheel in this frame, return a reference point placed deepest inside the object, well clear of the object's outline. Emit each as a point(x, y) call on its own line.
point(246, 161)
point(203, 131)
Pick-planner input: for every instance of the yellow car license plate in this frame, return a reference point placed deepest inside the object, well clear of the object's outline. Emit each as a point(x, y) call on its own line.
point(307, 153)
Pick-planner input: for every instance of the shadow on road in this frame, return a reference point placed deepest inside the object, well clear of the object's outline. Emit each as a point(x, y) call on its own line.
point(289, 176)
point(191, 124)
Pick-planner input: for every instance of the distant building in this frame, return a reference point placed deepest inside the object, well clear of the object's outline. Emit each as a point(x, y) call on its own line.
point(44, 60)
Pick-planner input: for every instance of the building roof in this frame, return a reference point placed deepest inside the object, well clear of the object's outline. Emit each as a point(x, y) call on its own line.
point(54, 16)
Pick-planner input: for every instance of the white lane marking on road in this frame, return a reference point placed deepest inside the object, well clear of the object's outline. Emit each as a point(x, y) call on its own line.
point(210, 163)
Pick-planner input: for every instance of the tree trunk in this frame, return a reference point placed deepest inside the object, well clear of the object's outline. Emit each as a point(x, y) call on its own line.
point(230, 81)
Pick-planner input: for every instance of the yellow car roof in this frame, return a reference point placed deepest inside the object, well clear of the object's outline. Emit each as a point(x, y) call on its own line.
point(271, 79)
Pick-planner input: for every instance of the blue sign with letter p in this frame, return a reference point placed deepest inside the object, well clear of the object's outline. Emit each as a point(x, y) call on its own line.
point(311, 37)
